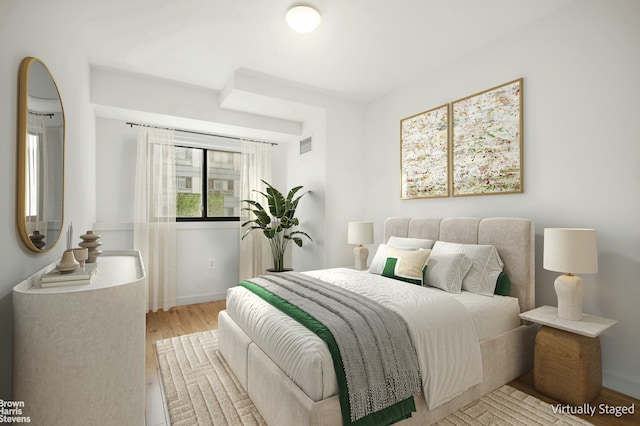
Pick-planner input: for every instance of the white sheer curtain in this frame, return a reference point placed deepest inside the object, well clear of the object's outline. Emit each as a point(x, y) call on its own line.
point(155, 215)
point(255, 252)
point(35, 208)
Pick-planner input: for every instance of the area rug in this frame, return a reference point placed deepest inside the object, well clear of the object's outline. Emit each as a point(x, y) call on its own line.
point(199, 386)
point(509, 406)
point(201, 390)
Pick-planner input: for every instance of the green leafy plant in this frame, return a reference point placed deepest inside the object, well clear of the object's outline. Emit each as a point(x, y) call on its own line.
point(188, 204)
point(278, 222)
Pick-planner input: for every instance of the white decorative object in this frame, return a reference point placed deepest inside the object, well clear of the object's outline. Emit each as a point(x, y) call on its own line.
point(91, 243)
point(67, 262)
point(360, 233)
point(81, 254)
point(570, 250)
point(76, 345)
point(303, 19)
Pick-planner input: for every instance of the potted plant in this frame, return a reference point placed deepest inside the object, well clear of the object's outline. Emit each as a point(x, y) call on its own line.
point(278, 223)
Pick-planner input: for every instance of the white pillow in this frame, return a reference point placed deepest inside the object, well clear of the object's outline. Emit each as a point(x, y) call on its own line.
point(410, 243)
point(446, 271)
point(380, 258)
point(486, 265)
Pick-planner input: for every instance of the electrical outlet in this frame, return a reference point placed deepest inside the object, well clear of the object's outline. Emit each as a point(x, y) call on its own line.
point(212, 263)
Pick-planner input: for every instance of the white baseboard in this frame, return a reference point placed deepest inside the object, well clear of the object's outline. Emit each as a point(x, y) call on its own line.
point(623, 384)
point(190, 300)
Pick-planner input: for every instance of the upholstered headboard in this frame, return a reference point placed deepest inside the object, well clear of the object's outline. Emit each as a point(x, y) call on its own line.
point(514, 238)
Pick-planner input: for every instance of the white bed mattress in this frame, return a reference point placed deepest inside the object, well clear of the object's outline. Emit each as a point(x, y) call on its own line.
point(491, 315)
point(306, 359)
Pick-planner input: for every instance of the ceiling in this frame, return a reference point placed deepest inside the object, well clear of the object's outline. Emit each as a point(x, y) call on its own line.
point(362, 49)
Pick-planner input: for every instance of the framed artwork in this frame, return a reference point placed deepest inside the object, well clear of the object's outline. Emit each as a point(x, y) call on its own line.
point(424, 154)
point(486, 147)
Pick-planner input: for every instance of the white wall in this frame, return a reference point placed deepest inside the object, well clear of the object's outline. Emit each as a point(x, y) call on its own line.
point(23, 33)
point(581, 152)
point(130, 96)
point(309, 170)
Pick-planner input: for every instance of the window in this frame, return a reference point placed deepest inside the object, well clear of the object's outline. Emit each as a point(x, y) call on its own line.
point(33, 176)
point(184, 183)
point(207, 177)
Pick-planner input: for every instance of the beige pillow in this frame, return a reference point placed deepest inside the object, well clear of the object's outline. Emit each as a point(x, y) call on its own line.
point(409, 264)
point(380, 257)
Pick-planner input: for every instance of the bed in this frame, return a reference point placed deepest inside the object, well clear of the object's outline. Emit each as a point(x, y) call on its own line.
point(291, 380)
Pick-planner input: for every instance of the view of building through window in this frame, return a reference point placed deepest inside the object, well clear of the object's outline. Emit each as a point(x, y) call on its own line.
point(220, 193)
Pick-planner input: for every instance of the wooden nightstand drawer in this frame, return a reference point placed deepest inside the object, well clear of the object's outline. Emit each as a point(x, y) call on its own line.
point(567, 366)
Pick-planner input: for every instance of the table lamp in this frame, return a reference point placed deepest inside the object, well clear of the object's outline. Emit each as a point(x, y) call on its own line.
point(571, 251)
point(360, 233)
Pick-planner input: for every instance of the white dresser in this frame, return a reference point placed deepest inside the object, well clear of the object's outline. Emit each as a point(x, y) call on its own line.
point(79, 351)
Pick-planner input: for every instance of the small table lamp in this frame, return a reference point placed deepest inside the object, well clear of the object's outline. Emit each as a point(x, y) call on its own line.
point(570, 250)
point(360, 233)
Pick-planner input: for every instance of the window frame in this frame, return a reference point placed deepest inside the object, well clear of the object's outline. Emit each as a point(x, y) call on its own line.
point(204, 190)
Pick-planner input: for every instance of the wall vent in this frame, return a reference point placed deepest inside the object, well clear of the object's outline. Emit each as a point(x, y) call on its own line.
point(305, 145)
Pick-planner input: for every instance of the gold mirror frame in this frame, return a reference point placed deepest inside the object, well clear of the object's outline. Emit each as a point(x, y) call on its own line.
point(40, 189)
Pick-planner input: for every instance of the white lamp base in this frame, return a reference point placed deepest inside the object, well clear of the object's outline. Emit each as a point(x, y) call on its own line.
point(570, 292)
point(361, 253)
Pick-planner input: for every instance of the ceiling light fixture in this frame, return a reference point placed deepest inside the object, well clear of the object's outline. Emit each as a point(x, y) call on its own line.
point(303, 19)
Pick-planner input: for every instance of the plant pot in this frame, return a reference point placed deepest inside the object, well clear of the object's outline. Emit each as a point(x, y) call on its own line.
point(273, 271)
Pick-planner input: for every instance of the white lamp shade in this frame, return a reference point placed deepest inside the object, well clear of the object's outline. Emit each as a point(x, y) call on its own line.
point(303, 19)
point(570, 250)
point(360, 233)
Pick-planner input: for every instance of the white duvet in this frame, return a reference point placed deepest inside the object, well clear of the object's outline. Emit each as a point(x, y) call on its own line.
point(441, 328)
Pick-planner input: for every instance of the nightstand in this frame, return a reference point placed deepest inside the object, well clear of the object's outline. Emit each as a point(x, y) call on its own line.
point(567, 363)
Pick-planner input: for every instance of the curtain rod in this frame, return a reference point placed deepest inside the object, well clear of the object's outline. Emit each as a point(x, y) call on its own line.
point(42, 114)
point(200, 133)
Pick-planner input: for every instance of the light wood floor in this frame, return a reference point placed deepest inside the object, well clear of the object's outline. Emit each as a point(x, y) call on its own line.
point(204, 316)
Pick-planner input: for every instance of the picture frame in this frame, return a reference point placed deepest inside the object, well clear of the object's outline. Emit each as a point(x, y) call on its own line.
point(424, 154)
point(486, 142)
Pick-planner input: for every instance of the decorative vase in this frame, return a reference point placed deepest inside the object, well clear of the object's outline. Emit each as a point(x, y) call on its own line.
point(274, 271)
point(91, 243)
point(37, 239)
point(68, 262)
point(81, 255)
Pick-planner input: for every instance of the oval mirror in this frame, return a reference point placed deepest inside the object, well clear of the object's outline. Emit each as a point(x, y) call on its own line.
point(41, 131)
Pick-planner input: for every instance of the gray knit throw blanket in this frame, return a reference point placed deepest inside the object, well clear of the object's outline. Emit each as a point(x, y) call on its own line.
point(380, 362)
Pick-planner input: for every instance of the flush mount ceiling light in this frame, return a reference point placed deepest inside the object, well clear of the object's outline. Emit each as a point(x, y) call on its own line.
point(303, 19)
